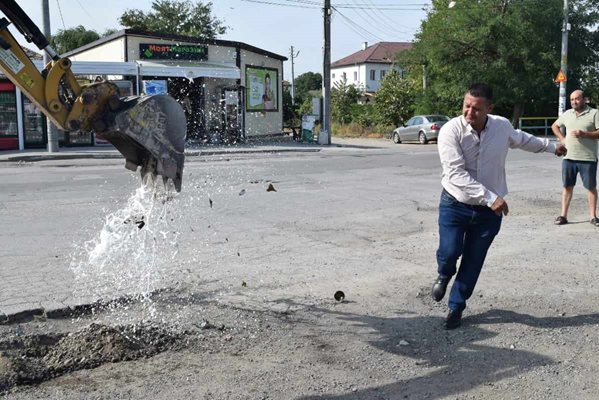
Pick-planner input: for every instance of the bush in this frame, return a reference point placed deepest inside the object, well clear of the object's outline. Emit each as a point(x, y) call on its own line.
point(355, 130)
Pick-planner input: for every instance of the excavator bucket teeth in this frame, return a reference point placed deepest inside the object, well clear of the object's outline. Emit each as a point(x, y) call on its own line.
point(150, 132)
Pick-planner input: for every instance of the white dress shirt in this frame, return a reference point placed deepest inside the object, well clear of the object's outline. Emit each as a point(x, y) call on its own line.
point(473, 166)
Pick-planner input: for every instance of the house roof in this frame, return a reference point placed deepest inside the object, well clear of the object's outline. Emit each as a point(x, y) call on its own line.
point(382, 52)
point(157, 35)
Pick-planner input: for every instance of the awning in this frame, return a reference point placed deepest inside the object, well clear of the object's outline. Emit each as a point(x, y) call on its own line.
point(152, 68)
point(186, 69)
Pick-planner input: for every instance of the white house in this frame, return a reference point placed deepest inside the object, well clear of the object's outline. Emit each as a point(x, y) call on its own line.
point(367, 67)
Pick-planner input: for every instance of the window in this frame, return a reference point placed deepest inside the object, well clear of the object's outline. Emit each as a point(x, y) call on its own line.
point(344, 76)
point(372, 75)
point(383, 73)
point(355, 76)
point(333, 76)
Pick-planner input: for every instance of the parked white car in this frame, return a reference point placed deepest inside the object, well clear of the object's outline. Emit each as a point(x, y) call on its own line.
point(420, 128)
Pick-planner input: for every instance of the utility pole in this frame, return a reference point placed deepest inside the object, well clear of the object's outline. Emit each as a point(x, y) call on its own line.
point(564, 62)
point(325, 134)
point(51, 130)
point(293, 56)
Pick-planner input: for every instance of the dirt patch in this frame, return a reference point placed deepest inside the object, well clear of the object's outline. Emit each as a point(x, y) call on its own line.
point(37, 358)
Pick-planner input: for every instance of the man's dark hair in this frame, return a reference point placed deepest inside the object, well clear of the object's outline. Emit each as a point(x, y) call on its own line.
point(481, 90)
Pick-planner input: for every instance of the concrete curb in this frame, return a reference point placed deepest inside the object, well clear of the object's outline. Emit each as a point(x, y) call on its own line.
point(116, 155)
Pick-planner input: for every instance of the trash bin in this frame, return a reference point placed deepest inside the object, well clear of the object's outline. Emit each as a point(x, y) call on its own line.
point(308, 123)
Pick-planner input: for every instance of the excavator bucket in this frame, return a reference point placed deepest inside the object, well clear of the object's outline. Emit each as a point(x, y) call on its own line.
point(150, 133)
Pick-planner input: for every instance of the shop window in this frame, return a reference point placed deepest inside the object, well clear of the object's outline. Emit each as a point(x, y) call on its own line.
point(8, 117)
point(34, 125)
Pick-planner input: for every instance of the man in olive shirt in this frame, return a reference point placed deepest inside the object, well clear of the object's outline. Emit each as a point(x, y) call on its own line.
point(581, 124)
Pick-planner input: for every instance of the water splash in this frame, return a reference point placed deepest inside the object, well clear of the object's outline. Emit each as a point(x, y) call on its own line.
point(131, 255)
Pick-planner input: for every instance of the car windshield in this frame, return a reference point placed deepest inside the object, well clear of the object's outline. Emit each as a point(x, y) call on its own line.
point(437, 118)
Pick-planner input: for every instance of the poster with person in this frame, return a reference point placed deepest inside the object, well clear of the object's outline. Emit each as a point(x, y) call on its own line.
point(261, 88)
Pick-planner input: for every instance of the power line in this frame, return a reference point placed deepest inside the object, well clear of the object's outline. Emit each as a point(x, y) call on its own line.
point(357, 26)
point(385, 17)
point(380, 24)
point(84, 10)
point(305, 5)
point(363, 14)
point(60, 12)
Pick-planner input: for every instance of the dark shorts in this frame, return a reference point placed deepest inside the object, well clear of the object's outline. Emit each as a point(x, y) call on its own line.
point(586, 169)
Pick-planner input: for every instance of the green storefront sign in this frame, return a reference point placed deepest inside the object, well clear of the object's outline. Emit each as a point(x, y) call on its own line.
point(173, 52)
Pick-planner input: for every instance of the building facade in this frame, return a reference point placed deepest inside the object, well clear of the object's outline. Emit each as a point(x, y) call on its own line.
point(366, 68)
point(230, 91)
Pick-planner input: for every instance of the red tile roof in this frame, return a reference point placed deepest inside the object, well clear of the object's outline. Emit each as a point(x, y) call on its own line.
point(382, 52)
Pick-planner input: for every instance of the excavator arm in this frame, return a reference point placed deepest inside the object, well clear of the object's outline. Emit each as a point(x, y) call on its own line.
point(148, 130)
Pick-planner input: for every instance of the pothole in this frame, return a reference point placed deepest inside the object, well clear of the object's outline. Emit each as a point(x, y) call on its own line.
point(37, 358)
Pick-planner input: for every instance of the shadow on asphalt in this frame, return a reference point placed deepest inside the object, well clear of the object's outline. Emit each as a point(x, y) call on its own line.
point(457, 362)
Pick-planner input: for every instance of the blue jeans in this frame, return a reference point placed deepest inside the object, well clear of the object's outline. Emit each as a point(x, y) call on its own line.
point(466, 231)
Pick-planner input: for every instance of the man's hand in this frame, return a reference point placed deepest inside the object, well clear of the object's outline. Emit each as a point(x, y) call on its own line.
point(560, 150)
point(577, 133)
point(500, 206)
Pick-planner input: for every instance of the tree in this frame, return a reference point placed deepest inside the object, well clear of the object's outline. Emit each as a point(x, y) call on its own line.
point(72, 38)
point(343, 97)
point(304, 83)
point(514, 45)
point(289, 111)
point(394, 101)
point(176, 17)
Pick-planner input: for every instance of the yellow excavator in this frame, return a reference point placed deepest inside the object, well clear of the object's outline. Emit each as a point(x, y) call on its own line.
point(149, 131)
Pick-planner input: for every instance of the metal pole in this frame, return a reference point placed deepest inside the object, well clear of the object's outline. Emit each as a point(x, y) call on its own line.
point(564, 61)
point(293, 55)
point(325, 135)
point(50, 128)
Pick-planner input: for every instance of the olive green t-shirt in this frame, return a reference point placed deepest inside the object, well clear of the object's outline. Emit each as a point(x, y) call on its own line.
point(580, 149)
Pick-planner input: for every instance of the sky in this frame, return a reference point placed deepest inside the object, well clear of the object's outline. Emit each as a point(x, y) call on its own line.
point(273, 25)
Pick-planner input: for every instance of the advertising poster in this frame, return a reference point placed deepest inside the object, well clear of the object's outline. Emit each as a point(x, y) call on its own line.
point(153, 87)
point(261, 89)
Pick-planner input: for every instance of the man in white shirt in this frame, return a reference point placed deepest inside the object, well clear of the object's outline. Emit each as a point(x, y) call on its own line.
point(473, 148)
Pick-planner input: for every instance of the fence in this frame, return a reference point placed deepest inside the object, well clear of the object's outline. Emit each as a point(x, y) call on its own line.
point(538, 126)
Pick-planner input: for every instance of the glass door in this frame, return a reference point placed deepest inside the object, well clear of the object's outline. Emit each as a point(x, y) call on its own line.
point(8, 117)
point(34, 126)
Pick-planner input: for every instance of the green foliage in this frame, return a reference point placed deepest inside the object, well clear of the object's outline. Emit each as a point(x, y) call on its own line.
point(305, 108)
point(109, 32)
point(363, 114)
point(69, 39)
point(394, 101)
point(355, 129)
point(290, 117)
point(304, 83)
point(514, 45)
point(176, 17)
point(343, 98)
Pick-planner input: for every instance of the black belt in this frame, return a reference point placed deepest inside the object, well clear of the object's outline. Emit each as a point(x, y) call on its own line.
point(471, 206)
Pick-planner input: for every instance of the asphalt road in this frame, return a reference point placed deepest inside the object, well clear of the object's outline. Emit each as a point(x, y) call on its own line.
point(359, 218)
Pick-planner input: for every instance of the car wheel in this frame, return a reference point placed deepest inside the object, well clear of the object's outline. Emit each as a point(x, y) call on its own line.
point(422, 138)
point(396, 138)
